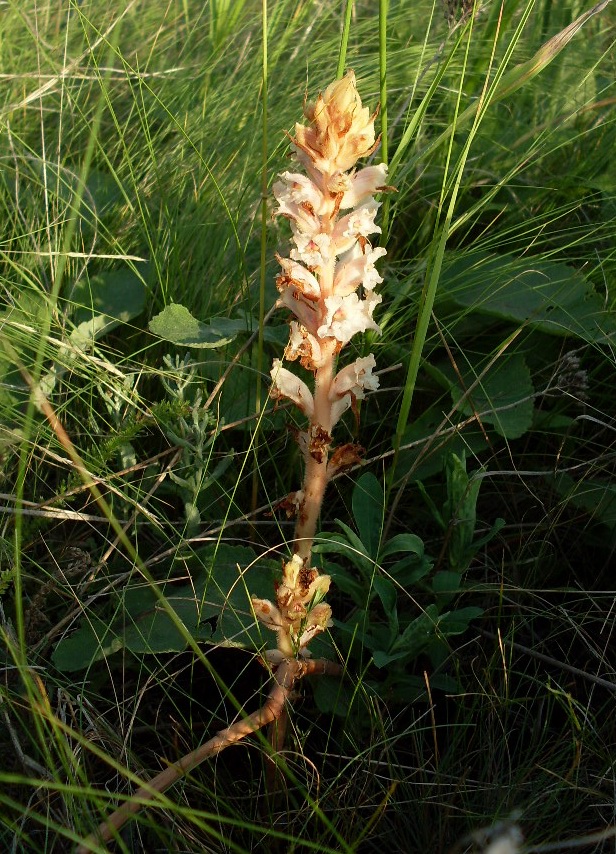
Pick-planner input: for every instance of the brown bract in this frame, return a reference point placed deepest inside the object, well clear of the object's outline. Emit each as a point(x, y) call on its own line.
point(344, 457)
point(319, 442)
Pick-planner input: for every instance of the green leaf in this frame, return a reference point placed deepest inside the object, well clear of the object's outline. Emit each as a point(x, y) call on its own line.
point(417, 634)
point(347, 583)
point(104, 301)
point(92, 641)
point(460, 510)
point(408, 688)
point(456, 622)
point(176, 324)
point(593, 496)
point(542, 294)
point(403, 543)
point(420, 466)
point(347, 544)
point(215, 607)
point(445, 585)
point(368, 501)
point(503, 396)
point(333, 695)
point(387, 593)
point(409, 570)
point(415, 638)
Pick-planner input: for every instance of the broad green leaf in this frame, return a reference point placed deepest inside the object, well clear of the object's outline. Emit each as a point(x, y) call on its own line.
point(420, 433)
point(368, 501)
point(92, 641)
point(502, 397)
point(445, 585)
point(408, 688)
point(176, 324)
point(413, 640)
point(104, 301)
point(596, 497)
point(347, 583)
point(237, 398)
point(409, 570)
point(456, 622)
point(386, 592)
point(215, 607)
point(347, 544)
point(333, 695)
point(539, 293)
point(403, 543)
point(388, 595)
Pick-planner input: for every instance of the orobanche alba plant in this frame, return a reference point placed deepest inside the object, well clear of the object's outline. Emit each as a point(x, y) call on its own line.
point(328, 284)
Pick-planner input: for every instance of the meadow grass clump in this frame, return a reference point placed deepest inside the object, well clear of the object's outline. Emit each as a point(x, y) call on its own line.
point(469, 547)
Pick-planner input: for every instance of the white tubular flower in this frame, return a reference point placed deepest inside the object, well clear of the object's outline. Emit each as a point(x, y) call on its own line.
point(364, 183)
point(268, 614)
point(357, 268)
point(315, 251)
point(305, 310)
point(286, 384)
point(305, 346)
point(296, 274)
point(356, 378)
point(351, 384)
point(298, 189)
point(319, 619)
point(327, 283)
point(302, 216)
point(355, 225)
point(348, 315)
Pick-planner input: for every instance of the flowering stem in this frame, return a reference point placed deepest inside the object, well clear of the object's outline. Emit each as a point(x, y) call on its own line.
point(316, 477)
point(328, 285)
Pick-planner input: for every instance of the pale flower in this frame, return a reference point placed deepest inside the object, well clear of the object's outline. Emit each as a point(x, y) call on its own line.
point(351, 384)
point(305, 346)
point(319, 619)
point(332, 213)
point(348, 315)
point(286, 384)
point(362, 184)
point(315, 251)
point(305, 310)
point(296, 274)
point(298, 189)
point(356, 378)
point(355, 225)
point(268, 613)
point(302, 216)
point(357, 268)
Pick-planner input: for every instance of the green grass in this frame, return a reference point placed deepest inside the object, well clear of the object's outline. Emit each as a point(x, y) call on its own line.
point(131, 154)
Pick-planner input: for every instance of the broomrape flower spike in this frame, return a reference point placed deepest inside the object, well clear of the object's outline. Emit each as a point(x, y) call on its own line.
point(328, 284)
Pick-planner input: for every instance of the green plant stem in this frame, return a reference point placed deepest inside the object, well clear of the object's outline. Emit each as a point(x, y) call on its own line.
point(35, 375)
point(344, 39)
point(384, 152)
point(263, 259)
point(432, 277)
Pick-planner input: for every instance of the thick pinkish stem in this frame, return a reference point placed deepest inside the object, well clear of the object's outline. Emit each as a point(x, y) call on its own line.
point(319, 439)
point(332, 213)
